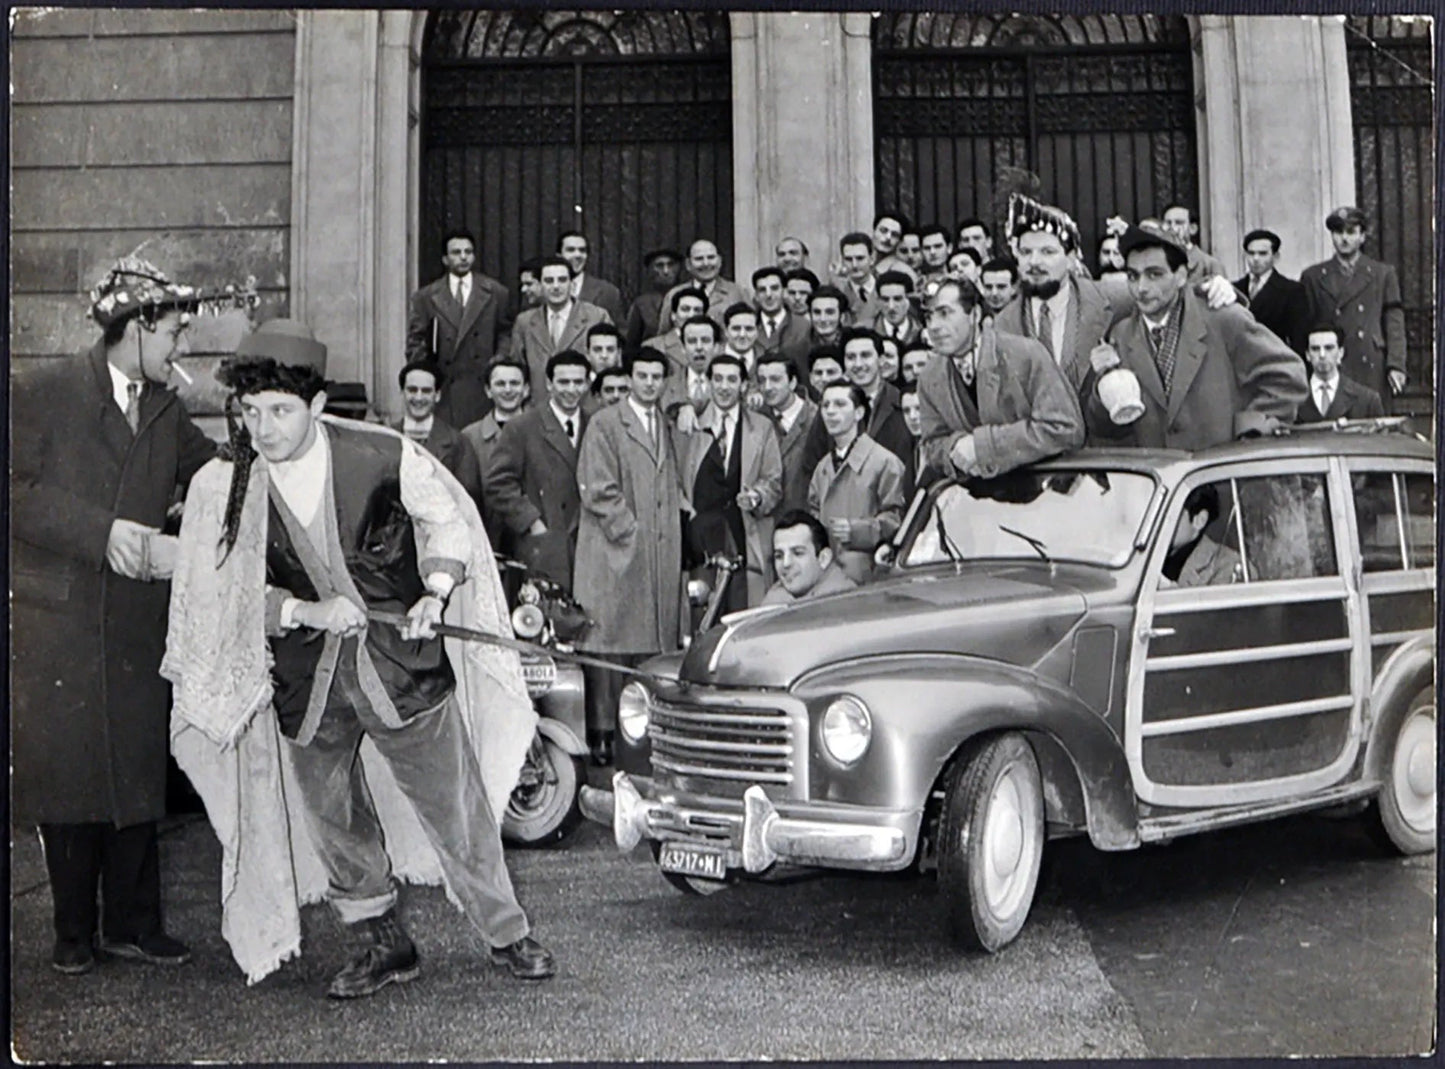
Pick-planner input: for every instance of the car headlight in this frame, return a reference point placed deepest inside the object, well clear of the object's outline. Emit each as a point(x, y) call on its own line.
point(528, 621)
point(847, 728)
point(633, 712)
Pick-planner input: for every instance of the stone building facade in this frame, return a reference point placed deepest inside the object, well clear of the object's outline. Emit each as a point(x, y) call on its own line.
point(293, 146)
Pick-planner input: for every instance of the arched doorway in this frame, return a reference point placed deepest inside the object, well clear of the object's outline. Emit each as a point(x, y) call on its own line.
point(615, 123)
point(1100, 107)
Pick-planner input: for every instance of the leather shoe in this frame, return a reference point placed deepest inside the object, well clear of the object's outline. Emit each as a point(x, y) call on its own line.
point(72, 957)
point(527, 959)
point(155, 949)
point(373, 969)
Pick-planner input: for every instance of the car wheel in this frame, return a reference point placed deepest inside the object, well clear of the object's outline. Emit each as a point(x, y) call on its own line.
point(545, 804)
point(1404, 812)
point(991, 843)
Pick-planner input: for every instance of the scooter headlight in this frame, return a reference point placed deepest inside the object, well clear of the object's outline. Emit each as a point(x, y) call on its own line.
point(528, 621)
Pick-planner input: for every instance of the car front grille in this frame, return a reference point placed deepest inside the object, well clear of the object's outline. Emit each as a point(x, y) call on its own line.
point(722, 749)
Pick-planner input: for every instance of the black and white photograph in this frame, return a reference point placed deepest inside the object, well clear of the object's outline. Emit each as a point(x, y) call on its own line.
point(618, 535)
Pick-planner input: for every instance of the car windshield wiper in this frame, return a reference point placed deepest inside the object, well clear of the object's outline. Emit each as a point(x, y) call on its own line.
point(949, 545)
point(1038, 547)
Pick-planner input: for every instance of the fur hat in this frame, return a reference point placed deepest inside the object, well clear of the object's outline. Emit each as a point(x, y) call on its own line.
point(133, 285)
point(287, 341)
point(1027, 216)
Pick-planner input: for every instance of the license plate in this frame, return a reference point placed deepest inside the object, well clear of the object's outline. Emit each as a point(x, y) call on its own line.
point(688, 860)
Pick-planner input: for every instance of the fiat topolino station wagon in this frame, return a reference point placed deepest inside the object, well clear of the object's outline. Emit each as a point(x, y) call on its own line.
point(1028, 670)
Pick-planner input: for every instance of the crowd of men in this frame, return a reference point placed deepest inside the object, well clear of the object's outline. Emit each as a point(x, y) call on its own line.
point(620, 452)
point(615, 448)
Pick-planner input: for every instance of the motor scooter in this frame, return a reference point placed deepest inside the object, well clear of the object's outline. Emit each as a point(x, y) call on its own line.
point(543, 807)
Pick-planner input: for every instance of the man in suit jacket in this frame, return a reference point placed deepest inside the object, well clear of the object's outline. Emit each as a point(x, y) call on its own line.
point(664, 267)
point(1194, 558)
point(531, 476)
point(460, 321)
point(684, 305)
point(704, 268)
point(560, 322)
point(1277, 302)
point(1332, 395)
point(856, 278)
point(775, 321)
point(421, 393)
point(793, 415)
point(572, 246)
point(1069, 314)
point(507, 390)
point(989, 402)
point(732, 474)
point(1206, 376)
point(100, 449)
point(895, 318)
point(885, 425)
point(1361, 296)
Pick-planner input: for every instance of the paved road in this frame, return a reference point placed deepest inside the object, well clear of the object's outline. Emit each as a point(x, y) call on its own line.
point(1298, 939)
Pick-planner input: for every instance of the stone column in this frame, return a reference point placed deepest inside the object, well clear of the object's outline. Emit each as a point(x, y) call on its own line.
point(1276, 146)
point(802, 132)
point(333, 235)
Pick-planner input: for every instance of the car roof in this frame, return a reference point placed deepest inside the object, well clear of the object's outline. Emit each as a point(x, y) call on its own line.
point(1310, 444)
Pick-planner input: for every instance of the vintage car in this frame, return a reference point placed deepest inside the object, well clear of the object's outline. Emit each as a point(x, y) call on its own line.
point(1028, 669)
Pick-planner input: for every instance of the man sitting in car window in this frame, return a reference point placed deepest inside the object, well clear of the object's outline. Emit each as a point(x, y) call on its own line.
point(803, 561)
point(1194, 558)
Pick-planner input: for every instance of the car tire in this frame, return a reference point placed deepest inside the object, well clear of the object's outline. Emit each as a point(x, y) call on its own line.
point(991, 842)
point(1404, 815)
point(541, 813)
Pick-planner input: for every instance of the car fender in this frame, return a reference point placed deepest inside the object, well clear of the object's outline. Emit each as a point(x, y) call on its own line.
point(562, 735)
point(1405, 672)
point(925, 706)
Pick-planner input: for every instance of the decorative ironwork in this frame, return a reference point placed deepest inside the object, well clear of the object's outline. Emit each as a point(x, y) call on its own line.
point(531, 126)
point(542, 34)
point(1393, 116)
point(1102, 107)
point(938, 30)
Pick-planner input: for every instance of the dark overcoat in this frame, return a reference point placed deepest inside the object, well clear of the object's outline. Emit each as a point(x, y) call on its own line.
point(1366, 306)
point(89, 709)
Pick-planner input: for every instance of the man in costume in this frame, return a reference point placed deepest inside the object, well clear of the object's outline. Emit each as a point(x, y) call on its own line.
point(311, 527)
point(100, 448)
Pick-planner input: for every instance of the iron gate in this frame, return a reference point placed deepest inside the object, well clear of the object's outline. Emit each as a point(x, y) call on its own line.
point(618, 124)
point(1393, 117)
point(1100, 107)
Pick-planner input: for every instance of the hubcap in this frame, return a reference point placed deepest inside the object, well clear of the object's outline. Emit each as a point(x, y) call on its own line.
point(1414, 771)
point(1006, 844)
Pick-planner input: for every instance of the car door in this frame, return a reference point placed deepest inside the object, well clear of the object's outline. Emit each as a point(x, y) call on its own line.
point(1248, 689)
point(1394, 519)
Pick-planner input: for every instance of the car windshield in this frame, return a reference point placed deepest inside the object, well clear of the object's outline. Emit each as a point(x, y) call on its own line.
point(1089, 516)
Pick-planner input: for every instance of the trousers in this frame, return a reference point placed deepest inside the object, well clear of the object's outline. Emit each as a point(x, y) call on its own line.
point(123, 864)
point(436, 768)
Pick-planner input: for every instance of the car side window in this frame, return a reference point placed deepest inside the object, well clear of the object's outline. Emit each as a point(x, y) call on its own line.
point(1285, 520)
point(1378, 520)
point(1419, 512)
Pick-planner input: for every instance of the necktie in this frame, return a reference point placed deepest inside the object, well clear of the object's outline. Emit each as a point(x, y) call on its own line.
point(571, 430)
point(1046, 328)
point(727, 439)
point(652, 428)
point(1324, 398)
point(132, 405)
point(1156, 338)
point(554, 327)
point(1254, 285)
point(459, 293)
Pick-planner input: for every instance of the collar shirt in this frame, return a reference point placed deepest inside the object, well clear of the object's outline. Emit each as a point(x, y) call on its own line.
point(1323, 391)
point(1058, 313)
point(120, 386)
point(417, 430)
point(462, 288)
point(301, 481)
point(771, 324)
point(648, 416)
point(788, 416)
point(564, 418)
point(1257, 284)
point(557, 320)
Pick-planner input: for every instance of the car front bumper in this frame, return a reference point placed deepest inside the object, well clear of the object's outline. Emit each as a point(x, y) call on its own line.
point(758, 836)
